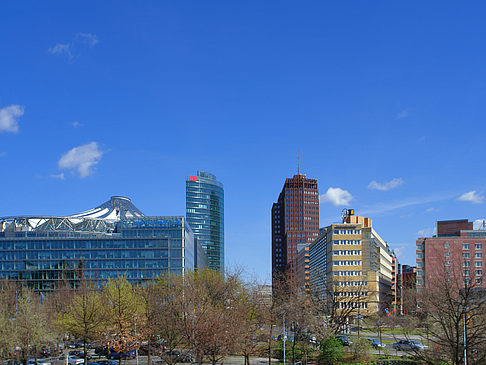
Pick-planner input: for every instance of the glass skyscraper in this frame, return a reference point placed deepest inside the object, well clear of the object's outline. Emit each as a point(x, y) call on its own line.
point(111, 240)
point(205, 214)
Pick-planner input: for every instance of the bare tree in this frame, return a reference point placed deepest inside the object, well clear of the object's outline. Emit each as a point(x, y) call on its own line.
point(210, 323)
point(122, 305)
point(31, 324)
point(85, 316)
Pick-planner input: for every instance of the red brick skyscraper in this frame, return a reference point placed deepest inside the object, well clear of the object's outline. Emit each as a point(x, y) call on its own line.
point(295, 220)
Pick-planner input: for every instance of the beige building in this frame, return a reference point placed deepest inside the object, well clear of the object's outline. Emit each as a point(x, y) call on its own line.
point(353, 262)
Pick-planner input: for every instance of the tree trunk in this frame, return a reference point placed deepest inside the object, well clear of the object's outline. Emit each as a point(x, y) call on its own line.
point(149, 359)
point(293, 349)
point(270, 345)
point(85, 352)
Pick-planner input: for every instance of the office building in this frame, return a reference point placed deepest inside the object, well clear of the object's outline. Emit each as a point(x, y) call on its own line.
point(295, 220)
point(302, 268)
point(114, 239)
point(455, 253)
point(351, 261)
point(205, 214)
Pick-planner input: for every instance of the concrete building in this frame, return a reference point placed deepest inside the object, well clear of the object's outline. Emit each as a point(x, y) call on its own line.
point(455, 253)
point(295, 220)
point(352, 260)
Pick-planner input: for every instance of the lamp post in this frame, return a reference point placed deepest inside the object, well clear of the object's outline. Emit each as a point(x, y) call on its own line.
point(465, 337)
point(284, 338)
point(135, 322)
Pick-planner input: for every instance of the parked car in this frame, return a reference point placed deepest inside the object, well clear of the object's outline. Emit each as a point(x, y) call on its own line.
point(376, 344)
point(404, 345)
point(101, 351)
point(72, 360)
point(107, 362)
point(124, 355)
point(39, 362)
point(345, 341)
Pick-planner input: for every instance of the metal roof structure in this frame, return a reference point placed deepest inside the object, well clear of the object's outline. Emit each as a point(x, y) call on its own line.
point(101, 219)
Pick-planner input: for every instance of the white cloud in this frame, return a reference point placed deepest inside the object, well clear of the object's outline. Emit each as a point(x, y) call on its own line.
point(76, 124)
point(402, 114)
point(392, 184)
point(69, 49)
point(88, 38)
point(382, 208)
point(431, 209)
point(427, 232)
point(58, 176)
point(61, 48)
point(9, 118)
point(472, 196)
point(337, 196)
point(82, 158)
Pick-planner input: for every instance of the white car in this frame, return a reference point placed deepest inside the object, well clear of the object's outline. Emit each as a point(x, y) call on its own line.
point(72, 360)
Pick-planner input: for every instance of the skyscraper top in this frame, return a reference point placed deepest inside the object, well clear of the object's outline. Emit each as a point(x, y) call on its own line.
point(206, 177)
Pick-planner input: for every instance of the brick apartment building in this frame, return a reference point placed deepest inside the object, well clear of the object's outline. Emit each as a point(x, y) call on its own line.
point(455, 253)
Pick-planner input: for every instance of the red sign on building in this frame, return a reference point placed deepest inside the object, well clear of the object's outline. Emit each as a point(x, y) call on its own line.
point(193, 178)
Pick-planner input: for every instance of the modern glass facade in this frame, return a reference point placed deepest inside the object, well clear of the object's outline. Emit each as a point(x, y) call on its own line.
point(54, 252)
point(205, 214)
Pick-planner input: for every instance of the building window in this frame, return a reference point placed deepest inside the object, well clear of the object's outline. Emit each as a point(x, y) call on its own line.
point(466, 273)
point(420, 255)
point(421, 264)
point(466, 281)
point(465, 255)
point(479, 272)
point(465, 263)
point(479, 281)
point(420, 247)
point(465, 246)
point(447, 263)
point(447, 254)
point(479, 246)
point(420, 273)
point(420, 282)
point(478, 264)
point(447, 245)
point(478, 255)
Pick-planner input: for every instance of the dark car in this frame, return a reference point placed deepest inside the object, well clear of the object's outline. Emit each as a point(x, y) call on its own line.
point(124, 355)
point(101, 351)
point(404, 345)
point(376, 344)
point(345, 341)
point(107, 362)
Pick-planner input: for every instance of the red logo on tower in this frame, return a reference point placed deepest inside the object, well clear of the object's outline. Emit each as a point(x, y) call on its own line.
point(193, 178)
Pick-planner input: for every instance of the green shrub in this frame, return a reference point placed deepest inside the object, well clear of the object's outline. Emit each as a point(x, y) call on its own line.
point(331, 351)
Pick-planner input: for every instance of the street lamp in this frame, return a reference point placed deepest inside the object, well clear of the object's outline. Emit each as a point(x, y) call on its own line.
point(284, 338)
point(135, 321)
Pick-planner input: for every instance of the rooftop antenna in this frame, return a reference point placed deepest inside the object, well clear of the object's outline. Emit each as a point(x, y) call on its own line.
point(298, 164)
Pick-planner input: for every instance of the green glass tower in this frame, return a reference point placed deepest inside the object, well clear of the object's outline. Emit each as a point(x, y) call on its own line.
point(205, 215)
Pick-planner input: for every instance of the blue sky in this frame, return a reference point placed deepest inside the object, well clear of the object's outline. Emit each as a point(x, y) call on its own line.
point(127, 98)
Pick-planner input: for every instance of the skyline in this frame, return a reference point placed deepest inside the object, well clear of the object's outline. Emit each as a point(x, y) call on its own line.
point(382, 102)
